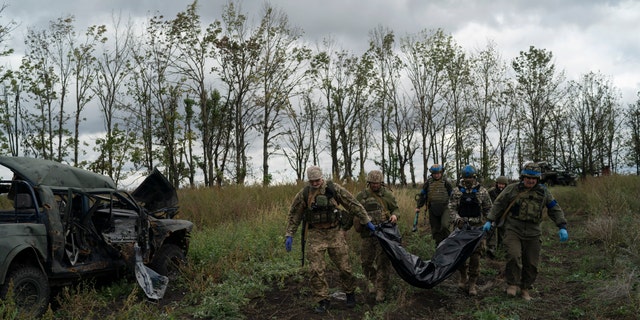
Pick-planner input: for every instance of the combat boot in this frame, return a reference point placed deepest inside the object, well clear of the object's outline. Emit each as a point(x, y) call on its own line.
point(322, 306)
point(462, 282)
point(525, 295)
point(473, 288)
point(351, 300)
point(512, 290)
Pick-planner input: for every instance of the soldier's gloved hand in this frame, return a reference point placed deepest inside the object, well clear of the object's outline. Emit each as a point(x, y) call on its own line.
point(487, 226)
point(371, 226)
point(564, 235)
point(288, 243)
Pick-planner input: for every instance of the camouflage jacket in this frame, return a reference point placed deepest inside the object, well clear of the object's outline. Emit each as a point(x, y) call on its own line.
point(526, 212)
point(472, 204)
point(341, 197)
point(494, 193)
point(380, 205)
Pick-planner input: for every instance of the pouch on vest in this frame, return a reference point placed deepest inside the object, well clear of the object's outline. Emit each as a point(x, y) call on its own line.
point(469, 206)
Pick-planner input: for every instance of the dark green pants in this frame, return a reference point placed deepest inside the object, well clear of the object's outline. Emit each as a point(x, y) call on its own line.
point(439, 223)
point(523, 256)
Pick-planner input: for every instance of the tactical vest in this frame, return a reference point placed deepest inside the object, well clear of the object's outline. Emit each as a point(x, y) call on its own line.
point(375, 208)
point(469, 204)
point(321, 209)
point(529, 207)
point(438, 192)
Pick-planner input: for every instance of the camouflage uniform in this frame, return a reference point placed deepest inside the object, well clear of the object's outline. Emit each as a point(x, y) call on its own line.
point(522, 229)
point(326, 237)
point(380, 206)
point(495, 241)
point(471, 204)
point(435, 194)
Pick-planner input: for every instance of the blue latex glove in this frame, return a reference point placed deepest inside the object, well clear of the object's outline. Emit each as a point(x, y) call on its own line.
point(487, 226)
point(371, 226)
point(564, 235)
point(288, 243)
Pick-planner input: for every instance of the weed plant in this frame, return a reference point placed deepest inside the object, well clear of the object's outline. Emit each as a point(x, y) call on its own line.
point(237, 253)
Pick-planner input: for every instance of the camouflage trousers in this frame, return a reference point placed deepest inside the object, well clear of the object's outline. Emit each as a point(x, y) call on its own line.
point(375, 263)
point(523, 256)
point(471, 266)
point(333, 242)
point(439, 222)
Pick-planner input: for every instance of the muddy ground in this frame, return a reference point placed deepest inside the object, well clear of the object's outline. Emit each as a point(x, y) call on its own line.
point(554, 297)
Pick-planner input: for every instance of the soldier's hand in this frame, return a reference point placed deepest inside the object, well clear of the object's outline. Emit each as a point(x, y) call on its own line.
point(288, 243)
point(371, 226)
point(564, 235)
point(393, 218)
point(459, 222)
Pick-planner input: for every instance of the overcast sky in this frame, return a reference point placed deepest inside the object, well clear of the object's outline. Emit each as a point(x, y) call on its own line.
point(583, 35)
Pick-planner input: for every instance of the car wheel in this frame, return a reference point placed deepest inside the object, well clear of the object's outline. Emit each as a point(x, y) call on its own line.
point(31, 290)
point(167, 260)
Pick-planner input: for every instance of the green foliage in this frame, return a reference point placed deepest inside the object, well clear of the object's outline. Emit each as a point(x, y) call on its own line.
point(237, 254)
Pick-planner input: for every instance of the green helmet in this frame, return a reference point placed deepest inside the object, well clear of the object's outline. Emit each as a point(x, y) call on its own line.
point(502, 180)
point(374, 176)
point(531, 170)
point(469, 171)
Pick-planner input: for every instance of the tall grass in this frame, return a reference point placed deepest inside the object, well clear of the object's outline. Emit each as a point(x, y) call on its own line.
point(237, 250)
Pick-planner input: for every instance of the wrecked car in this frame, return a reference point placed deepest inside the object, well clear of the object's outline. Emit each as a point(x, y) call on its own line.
point(60, 223)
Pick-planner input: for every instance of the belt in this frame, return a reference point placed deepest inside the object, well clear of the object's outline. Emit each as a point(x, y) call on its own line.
point(326, 225)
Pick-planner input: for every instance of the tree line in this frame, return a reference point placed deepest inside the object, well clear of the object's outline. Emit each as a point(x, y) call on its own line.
point(195, 97)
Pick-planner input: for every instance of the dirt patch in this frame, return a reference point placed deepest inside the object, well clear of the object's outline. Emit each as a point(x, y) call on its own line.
point(554, 297)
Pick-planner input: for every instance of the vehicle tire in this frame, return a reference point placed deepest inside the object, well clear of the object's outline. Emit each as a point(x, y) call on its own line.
point(168, 260)
point(31, 290)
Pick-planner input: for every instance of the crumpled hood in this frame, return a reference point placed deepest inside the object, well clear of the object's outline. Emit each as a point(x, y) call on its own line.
point(156, 192)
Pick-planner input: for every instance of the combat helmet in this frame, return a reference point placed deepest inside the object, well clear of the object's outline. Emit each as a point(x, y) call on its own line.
point(374, 176)
point(469, 171)
point(436, 168)
point(502, 180)
point(531, 170)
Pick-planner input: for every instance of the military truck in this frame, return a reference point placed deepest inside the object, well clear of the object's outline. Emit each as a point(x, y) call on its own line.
point(554, 175)
point(59, 224)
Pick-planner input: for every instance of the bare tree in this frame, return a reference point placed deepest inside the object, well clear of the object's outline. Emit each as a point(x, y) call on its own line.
point(489, 81)
point(194, 52)
point(39, 73)
point(238, 53)
point(282, 59)
point(457, 75)
point(112, 71)
point(538, 89)
point(84, 73)
point(386, 64)
point(594, 106)
point(305, 123)
point(632, 116)
point(424, 56)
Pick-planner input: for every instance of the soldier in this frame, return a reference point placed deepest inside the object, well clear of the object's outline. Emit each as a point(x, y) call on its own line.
point(495, 241)
point(381, 206)
point(435, 194)
point(316, 206)
point(520, 206)
point(469, 205)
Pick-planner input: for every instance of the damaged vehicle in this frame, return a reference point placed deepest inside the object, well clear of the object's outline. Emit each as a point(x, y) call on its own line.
point(59, 224)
